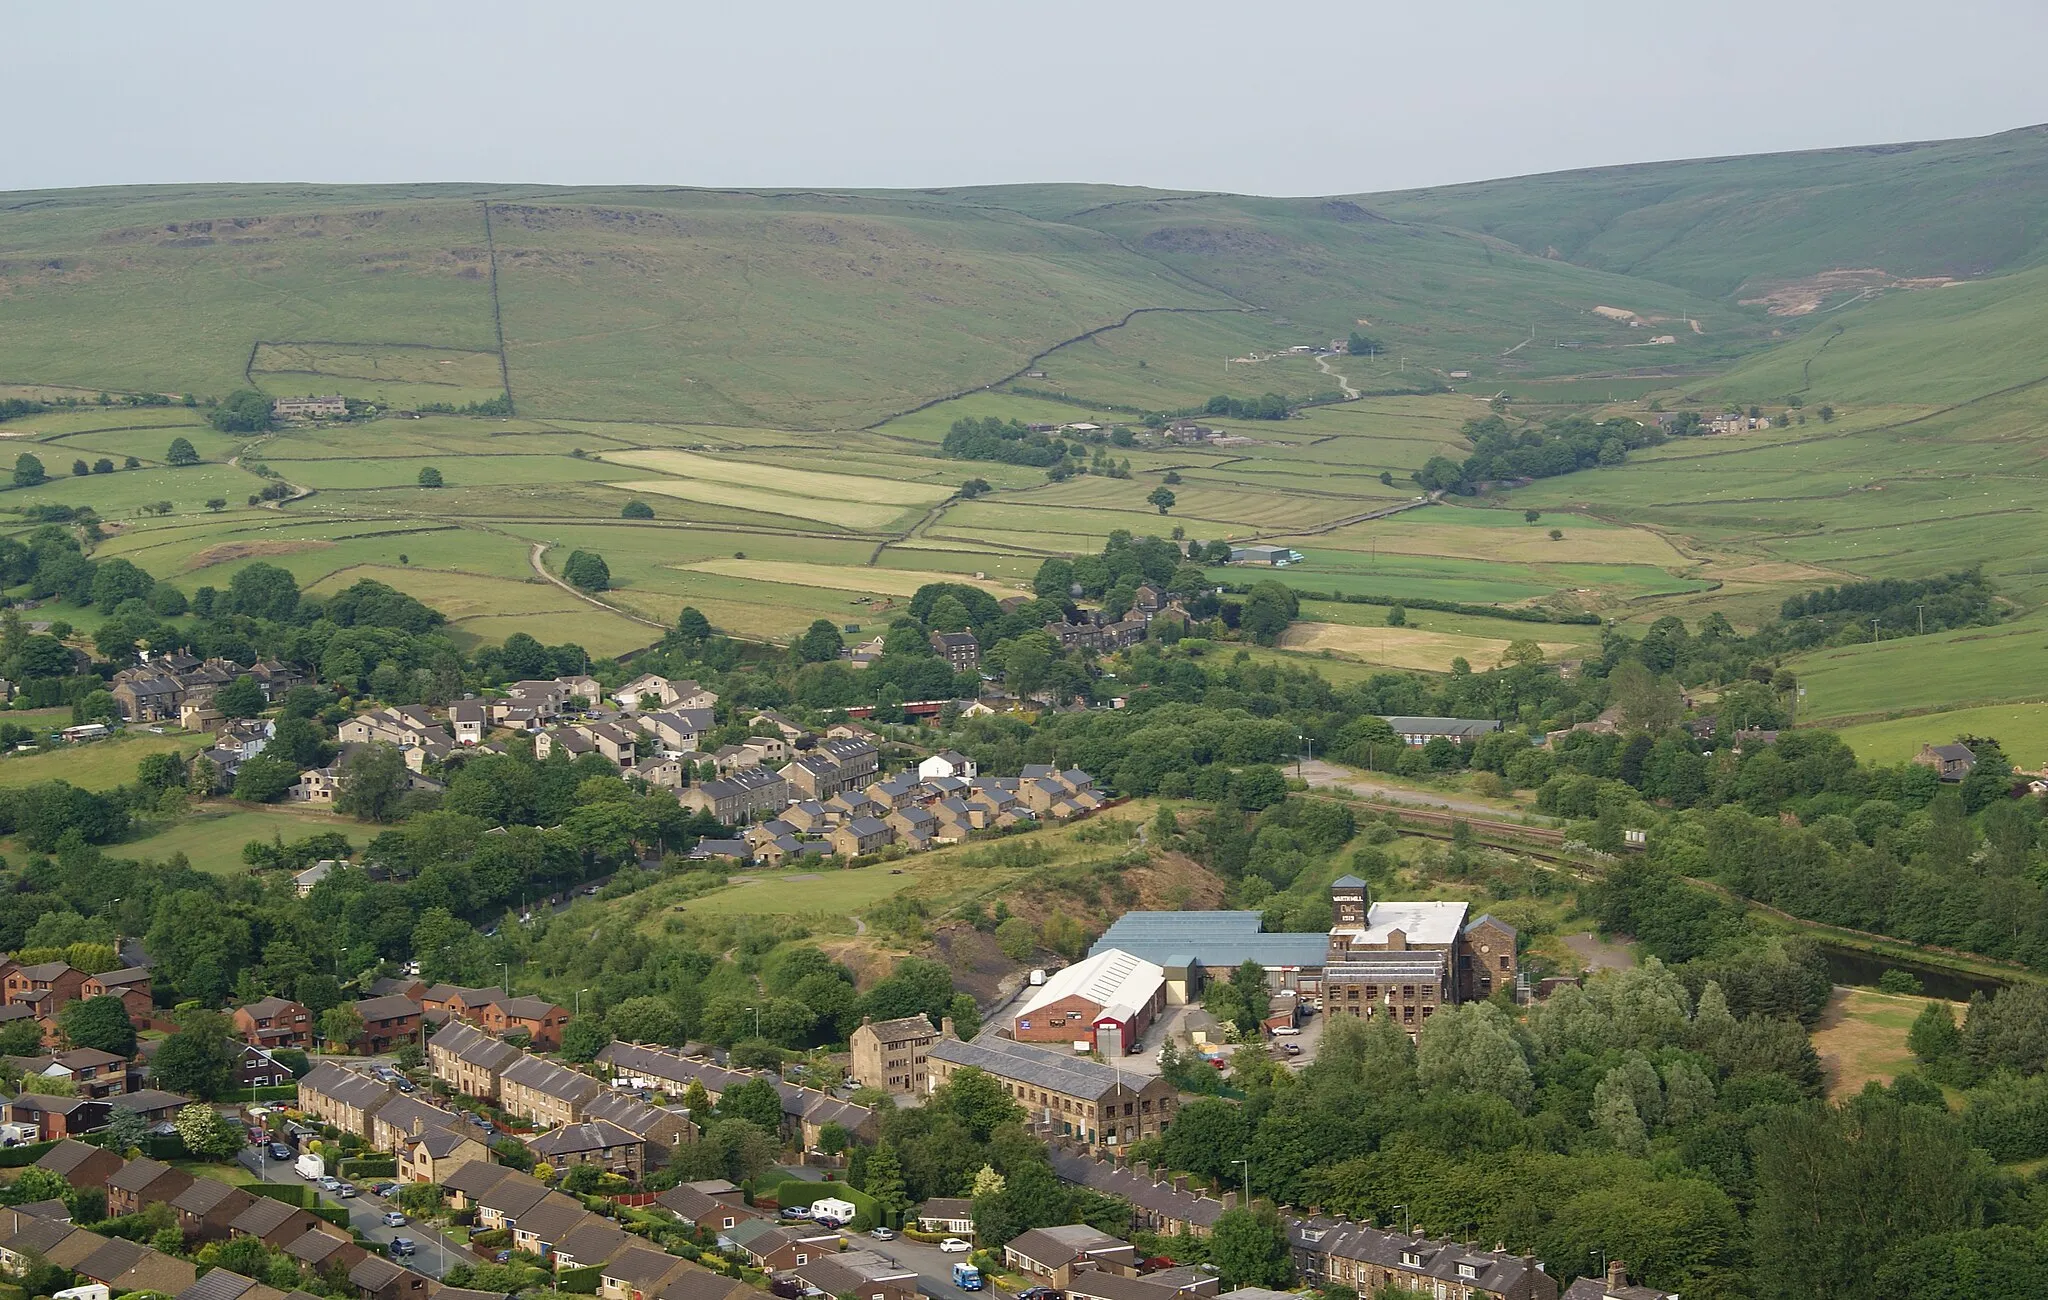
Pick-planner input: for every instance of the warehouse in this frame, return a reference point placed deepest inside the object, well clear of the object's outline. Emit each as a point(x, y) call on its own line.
point(1106, 1002)
point(1186, 945)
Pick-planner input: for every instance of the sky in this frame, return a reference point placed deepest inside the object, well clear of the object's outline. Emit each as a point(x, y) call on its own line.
point(1189, 94)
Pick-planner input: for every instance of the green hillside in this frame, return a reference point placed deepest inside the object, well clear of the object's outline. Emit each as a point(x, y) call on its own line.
point(1738, 226)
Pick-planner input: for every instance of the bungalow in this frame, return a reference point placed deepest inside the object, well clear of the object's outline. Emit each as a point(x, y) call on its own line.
point(693, 1205)
point(1416, 732)
point(777, 1250)
point(26, 1239)
point(953, 1215)
point(1058, 1254)
point(863, 1274)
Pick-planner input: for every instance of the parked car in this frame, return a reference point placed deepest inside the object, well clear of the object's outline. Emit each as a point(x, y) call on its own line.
point(383, 1189)
point(788, 1288)
point(1294, 1049)
point(954, 1246)
point(346, 1190)
point(279, 1151)
point(393, 1219)
point(826, 1221)
point(1038, 1293)
point(329, 1183)
point(796, 1212)
point(402, 1247)
point(881, 1234)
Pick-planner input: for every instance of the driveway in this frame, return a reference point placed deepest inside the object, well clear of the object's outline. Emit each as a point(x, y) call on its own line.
point(437, 1254)
point(934, 1266)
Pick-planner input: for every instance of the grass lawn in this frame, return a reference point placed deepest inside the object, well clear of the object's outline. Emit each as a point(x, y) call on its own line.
point(94, 764)
point(1862, 1036)
point(212, 838)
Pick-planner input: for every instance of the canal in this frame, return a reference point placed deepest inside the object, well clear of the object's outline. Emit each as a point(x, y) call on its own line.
point(1853, 966)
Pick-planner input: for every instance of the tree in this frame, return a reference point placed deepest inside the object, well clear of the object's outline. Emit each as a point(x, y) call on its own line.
point(103, 466)
point(583, 1038)
point(1557, 534)
point(588, 571)
point(1251, 996)
point(264, 778)
point(79, 469)
point(1531, 516)
point(636, 510)
point(820, 643)
point(1249, 1245)
point(243, 411)
point(240, 698)
point(1827, 413)
point(691, 625)
point(216, 504)
point(885, 1182)
point(100, 1023)
point(646, 1020)
point(372, 783)
point(1397, 616)
point(754, 1101)
point(430, 477)
point(28, 471)
point(205, 1133)
point(181, 453)
point(125, 1130)
point(1162, 497)
point(199, 1059)
point(341, 1026)
point(1268, 609)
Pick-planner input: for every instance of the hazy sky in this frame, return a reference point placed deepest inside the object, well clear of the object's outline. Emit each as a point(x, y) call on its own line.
point(1196, 94)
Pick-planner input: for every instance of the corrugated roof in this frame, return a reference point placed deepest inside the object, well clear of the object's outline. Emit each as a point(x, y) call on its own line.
point(1109, 977)
point(1216, 939)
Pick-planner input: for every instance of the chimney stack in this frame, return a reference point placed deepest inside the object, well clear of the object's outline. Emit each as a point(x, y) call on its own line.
point(1617, 1274)
point(1230, 1200)
point(946, 1026)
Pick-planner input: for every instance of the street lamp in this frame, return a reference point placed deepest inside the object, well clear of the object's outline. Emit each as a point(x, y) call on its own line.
point(579, 1000)
point(757, 1020)
point(1247, 1181)
point(506, 967)
point(1404, 1219)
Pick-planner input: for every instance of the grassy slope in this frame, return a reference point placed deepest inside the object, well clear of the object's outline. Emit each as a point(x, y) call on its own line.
point(1955, 207)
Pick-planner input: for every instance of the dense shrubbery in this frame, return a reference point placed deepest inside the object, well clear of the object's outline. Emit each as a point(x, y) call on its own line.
point(1006, 441)
point(1502, 452)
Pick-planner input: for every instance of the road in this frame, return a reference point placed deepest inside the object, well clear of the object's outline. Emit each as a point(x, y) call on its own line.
point(1328, 776)
point(934, 1267)
point(437, 1254)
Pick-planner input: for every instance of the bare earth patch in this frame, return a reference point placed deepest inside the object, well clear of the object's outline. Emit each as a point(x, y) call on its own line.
point(229, 552)
point(1804, 297)
point(1597, 954)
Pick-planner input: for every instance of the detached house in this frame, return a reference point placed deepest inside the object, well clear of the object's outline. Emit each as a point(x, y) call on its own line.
point(131, 985)
point(275, 1022)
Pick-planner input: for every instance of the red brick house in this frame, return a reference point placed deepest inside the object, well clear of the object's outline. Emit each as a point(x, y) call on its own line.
point(387, 1022)
point(275, 1022)
point(131, 985)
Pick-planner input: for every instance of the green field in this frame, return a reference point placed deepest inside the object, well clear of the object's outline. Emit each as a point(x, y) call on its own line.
point(212, 839)
point(2020, 729)
point(95, 764)
point(772, 373)
point(1966, 666)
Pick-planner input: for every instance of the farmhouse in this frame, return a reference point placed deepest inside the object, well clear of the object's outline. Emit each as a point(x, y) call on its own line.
point(1950, 762)
point(310, 408)
point(1108, 1001)
point(960, 650)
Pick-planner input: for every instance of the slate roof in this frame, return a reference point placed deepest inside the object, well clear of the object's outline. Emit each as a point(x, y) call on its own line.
point(1494, 1271)
point(1161, 1199)
point(66, 1157)
point(575, 1139)
point(553, 1080)
point(1071, 1076)
point(1064, 1244)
